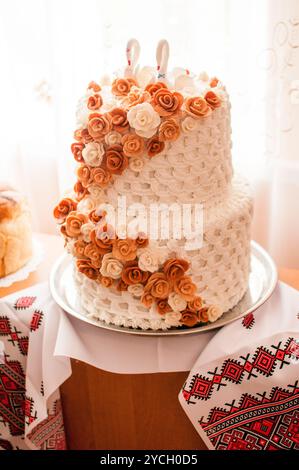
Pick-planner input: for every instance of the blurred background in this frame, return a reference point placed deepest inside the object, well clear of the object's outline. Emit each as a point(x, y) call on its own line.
point(51, 49)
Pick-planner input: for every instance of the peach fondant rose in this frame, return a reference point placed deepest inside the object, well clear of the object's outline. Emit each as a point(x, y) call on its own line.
point(189, 124)
point(141, 240)
point(122, 86)
point(116, 161)
point(79, 247)
point(93, 153)
point(91, 251)
point(148, 260)
point(97, 216)
point(96, 192)
point(84, 266)
point(76, 149)
point(214, 82)
point(111, 267)
point(133, 145)
point(195, 305)
point(152, 88)
point(197, 107)
point(169, 130)
point(99, 125)
point(94, 102)
point(154, 146)
point(214, 312)
point(136, 96)
point(189, 318)
point(174, 268)
point(103, 237)
point(176, 302)
point(136, 290)
point(63, 209)
point(100, 176)
point(85, 231)
point(167, 103)
point(144, 119)
point(147, 299)
point(203, 315)
point(124, 250)
point(106, 281)
point(94, 86)
point(86, 205)
point(84, 175)
point(136, 164)
point(74, 222)
point(80, 191)
point(158, 286)
point(82, 135)
point(185, 288)
point(113, 138)
point(213, 100)
point(163, 307)
point(132, 274)
point(119, 120)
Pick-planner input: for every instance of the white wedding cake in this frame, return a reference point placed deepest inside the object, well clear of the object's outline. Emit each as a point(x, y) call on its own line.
point(154, 149)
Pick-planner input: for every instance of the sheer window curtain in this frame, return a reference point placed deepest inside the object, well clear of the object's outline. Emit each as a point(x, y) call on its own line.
point(50, 50)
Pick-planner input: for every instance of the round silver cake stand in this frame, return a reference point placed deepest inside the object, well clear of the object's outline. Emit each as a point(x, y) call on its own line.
point(262, 282)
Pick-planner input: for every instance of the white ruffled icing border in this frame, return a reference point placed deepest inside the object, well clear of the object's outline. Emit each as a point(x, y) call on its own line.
point(29, 267)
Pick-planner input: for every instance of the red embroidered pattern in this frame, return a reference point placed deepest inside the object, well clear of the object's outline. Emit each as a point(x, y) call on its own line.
point(248, 321)
point(49, 434)
point(36, 320)
point(14, 335)
point(24, 302)
point(257, 423)
point(262, 362)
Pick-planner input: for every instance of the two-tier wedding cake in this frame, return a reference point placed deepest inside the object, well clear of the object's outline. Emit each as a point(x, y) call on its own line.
point(158, 226)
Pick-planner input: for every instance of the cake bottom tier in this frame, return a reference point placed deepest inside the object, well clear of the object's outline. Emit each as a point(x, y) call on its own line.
point(220, 269)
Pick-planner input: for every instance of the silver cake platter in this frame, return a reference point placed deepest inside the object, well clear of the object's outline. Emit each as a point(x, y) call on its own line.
point(262, 282)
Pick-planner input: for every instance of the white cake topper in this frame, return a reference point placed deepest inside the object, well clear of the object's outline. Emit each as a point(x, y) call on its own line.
point(162, 55)
point(132, 52)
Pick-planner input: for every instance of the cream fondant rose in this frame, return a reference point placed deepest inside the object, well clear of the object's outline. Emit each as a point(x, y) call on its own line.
point(176, 302)
point(148, 260)
point(111, 267)
point(136, 290)
point(93, 153)
point(86, 205)
point(172, 318)
point(214, 312)
point(136, 164)
point(113, 138)
point(189, 124)
point(85, 231)
point(144, 119)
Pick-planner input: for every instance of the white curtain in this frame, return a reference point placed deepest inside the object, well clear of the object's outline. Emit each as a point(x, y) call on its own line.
point(50, 50)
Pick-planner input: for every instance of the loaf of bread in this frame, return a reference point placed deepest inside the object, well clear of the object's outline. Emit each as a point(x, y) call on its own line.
point(15, 230)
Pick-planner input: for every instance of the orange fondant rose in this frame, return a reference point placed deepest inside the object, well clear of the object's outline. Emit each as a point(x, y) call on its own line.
point(76, 149)
point(152, 88)
point(122, 86)
point(74, 222)
point(99, 125)
point(189, 318)
point(213, 100)
point(203, 315)
point(175, 268)
point(94, 102)
point(80, 191)
point(163, 307)
point(91, 251)
point(79, 247)
point(136, 96)
point(195, 305)
point(132, 274)
point(116, 161)
point(82, 135)
point(185, 288)
point(94, 86)
point(103, 237)
point(158, 286)
point(97, 216)
point(63, 209)
point(169, 130)
point(147, 299)
point(214, 82)
point(167, 103)
point(84, 175)
point(124, 250)
point(100, 176)
point(154, 146)
point(121, 286)
point(119, 120)
point(133, 145)
point(197, 107)
point(141, 240)
point(84, 266)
